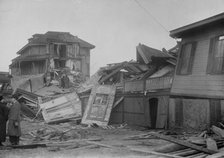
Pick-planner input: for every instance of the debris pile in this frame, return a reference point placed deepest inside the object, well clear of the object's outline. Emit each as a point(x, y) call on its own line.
point(56, 95)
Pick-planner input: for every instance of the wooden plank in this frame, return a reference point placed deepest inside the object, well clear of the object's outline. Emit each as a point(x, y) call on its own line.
point(110, 75)
point(28, 146)
point(141, 53)
point(118, 102)
point(189, 152)
point(133, 68)
point(154, 153)
point(218, 131)
point(196, 155)
point(171, 147)
point(184, 143)
point(133, 149)
point(211, 144)
point(197, 93)
point(180, 151)
point(218, 155)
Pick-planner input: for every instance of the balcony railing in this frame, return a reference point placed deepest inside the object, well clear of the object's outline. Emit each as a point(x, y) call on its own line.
point(159, 83)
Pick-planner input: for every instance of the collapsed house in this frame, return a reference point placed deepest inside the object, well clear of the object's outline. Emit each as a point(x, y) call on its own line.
point(197, 89)
point(142, 90)
point(51, 54)
point(43, 64)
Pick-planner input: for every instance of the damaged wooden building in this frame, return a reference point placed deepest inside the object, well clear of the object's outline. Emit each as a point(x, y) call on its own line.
point(197, 93)
point(146, 96)
point(142, 89)
point(52, 51)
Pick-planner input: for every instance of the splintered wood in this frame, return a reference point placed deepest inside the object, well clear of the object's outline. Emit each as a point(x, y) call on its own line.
point(184, 143)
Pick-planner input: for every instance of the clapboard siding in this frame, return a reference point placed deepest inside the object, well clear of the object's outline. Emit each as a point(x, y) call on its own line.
point(199, 82)
point(137, 85)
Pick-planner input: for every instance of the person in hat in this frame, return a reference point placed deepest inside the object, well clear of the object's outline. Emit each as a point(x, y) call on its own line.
point(14, 129)
point(4, 110)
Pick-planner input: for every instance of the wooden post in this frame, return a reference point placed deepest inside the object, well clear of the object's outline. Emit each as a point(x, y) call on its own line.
point(33, 65)
point(46, 65)
point(123, 111)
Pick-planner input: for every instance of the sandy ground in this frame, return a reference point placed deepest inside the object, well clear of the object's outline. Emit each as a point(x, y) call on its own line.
point(113, 137)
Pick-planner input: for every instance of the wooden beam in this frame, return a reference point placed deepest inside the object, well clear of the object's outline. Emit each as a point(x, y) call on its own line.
point(110, 75)
point(184, 143)
point(28, 146)
point(141, 53)
point(118, 102)
point(151, 71)
point(154, 153)
point(133, 68)
point(133, 149)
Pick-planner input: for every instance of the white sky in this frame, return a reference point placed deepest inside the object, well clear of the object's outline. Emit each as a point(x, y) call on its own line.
point(115, 27)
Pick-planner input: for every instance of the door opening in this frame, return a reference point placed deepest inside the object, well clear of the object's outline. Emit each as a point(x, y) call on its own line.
point(153, 107)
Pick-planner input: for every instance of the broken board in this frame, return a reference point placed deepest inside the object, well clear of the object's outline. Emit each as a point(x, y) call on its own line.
point(99, 106)
point(63, 108)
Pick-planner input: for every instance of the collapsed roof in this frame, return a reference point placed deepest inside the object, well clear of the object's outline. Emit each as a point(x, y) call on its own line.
point(145, 53)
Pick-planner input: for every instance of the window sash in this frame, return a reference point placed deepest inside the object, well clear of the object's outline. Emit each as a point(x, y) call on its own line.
point(216, 56)
point(186, 59)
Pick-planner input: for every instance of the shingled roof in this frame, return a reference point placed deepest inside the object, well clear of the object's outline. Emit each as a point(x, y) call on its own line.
point(57, 37)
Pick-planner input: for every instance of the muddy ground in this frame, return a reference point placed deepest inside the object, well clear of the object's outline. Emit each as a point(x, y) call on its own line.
point(113, 136)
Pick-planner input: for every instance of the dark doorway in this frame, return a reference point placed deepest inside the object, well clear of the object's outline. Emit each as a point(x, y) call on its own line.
point(153, 107)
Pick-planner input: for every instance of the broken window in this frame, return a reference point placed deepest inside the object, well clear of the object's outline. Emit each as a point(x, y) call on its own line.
point(216, 55)
point(60, 50)
point(186, 59)
point(101, 99)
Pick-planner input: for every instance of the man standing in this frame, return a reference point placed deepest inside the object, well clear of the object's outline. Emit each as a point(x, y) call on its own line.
point(3, 119)
point(14, 129)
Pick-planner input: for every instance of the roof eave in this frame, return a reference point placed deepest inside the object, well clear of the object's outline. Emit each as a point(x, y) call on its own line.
point(177, 33)
point(29, 45)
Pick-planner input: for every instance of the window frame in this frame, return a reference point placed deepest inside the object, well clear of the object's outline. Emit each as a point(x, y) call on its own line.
point(191, 59)
point(210, 63)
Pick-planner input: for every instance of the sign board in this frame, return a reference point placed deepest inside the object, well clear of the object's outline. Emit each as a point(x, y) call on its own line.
point(65, 107)
point(99, 105)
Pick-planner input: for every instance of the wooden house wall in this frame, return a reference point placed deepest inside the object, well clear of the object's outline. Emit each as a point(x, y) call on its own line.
point(135, 110)
point(35, 50)
point(85, 61)
point(31, 68)
point(199, 83)
point(159, 83)
point(195, 113)
point(15, 70)
point(137, 85)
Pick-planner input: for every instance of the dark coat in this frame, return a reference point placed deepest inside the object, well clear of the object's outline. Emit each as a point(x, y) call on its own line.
point(4, 111)
point(14, 128)
point(66, 81)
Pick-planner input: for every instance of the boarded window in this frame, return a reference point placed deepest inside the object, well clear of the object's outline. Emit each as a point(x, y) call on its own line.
point(186, 59)
point(216, 56)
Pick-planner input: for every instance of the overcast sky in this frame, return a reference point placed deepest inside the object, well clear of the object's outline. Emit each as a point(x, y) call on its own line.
point(115, 27)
